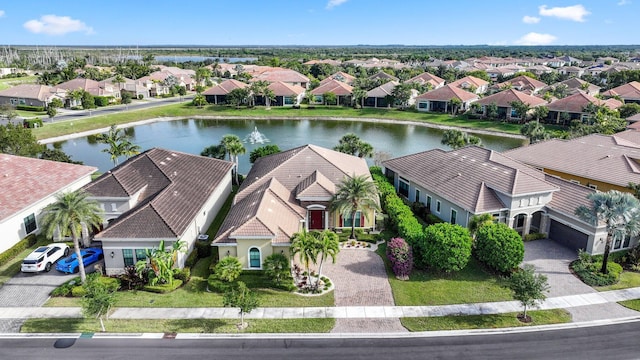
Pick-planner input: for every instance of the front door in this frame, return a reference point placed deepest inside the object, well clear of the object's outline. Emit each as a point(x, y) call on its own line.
point(316, 219)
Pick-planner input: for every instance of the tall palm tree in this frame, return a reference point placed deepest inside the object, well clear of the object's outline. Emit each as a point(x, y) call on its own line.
point(457, 139)
point(328, 245)
point(619, 211)
point(305, 245)
point(118, 142)
point(233, 147)
point(67, 214)
point(355, 193)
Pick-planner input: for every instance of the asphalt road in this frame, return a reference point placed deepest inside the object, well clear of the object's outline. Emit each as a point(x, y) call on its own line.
point(618, 341)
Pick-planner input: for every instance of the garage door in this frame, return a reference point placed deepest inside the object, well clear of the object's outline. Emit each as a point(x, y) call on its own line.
point(567, 236)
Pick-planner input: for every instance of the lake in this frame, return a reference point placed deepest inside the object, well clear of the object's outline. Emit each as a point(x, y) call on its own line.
point(192, 136)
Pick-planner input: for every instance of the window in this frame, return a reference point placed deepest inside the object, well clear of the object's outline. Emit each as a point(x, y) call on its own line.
point(423, 105)
point(438, 206)
point(127, 254)
point(417, 195)
point(348, 221)
point(620, 244)
point(428, 202)
point(574, 181)
point(594, 187)
point(454, 215)
point(30, 224)
point(254, 258)
point(141, 254)
point(288, 100)
point(403, 188)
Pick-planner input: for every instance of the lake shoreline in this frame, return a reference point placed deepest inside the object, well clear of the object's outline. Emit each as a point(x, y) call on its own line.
point(297, 118)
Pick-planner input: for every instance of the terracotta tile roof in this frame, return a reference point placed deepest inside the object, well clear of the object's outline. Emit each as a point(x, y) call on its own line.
point(315, 185)
point(569, 197)
point(382, 75)
point(337, 87)
point(225, 87)
point(506, 97)
point(280, 88)
point(427, 78)
point(610, 159)
point(280, 74)
point(25, 181)
point(469, 81)
point(523, 83)
point(340, 76)
point(173, 188)
point(323, 61)
point(33, 91)
point(630, 91)
point(383, 90)
point(470, 177)
point(91, 86)
point(577, 102)
point(574, 85)
point(447, 93)
point(634, 118)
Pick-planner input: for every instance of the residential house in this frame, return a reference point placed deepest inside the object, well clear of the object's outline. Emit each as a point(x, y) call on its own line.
point(573, 85)
point(381, 75)
point(427, 79)
point(218, 94)
point(133, 87)
point(458, 184)
point(27, 186)
point(505, 98)
point(633, 119)
point(472, 84)
point(287, 76)
point(629, 93)
point(439, 100)
point(379, 97)
point(607, 60)
point(340, 76)
point(522, 83)
point(601, 162)
point(496, 73)
point(286, 94)
point(323, 61)
point(31, 95)
point(342, 90)
point(95, 88)
point(539, 69)
point(283, 194)
point(574, 107)
point(158, 195)
point(571, 71)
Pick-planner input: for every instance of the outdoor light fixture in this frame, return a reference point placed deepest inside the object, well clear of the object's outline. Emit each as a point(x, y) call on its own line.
point(112, 254)
point(228, 252)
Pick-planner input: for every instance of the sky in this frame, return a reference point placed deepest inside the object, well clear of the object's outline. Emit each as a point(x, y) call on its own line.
point(319, 22)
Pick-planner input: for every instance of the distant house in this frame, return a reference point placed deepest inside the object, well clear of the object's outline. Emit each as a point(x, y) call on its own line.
point(539, 69)
point(472, 84)
point(381, 75)
point(571, 71)
point(286, 94)
point(287, 76)
point(505, 98)
point(133, 87)
point(342, 90)
point(629, 93)
point(283, 194)
point(439, 100)
point(574, 106)
point(218, 94)
point(340, 76)
point(522, 83)
point(427, 79)
point(458, 184)
point(27, 186)
point(574, 85)
point(154, 196)
point(93, 87)
point(31, 95)
point(378, 97)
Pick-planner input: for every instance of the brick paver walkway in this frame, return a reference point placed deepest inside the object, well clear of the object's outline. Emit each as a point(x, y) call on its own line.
point(360, 279)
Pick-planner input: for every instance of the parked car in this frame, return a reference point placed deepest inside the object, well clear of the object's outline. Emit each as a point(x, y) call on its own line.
point(42, 258)
point(70, 264)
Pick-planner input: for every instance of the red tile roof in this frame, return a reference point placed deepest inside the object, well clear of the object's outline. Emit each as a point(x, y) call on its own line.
point(469, 81)
point(506, 97)
point(280, 88)
point(25, 181)
point(427, 78)
point(337, 87)
point(33, 91)
point(630, 91)
point(225, 87)
point(523, 83)
point(447, 93)
point(577, 102)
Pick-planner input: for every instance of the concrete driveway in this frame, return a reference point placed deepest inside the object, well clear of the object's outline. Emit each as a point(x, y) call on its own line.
point(552, 260)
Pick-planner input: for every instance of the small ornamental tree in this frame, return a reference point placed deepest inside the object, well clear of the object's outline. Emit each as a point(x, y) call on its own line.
point(401, 257)
point(99, 298)
point(446, 247)
point(276, 268)
point(499, 247)
point(242, 298)
point(228, 269)
point(528, 288)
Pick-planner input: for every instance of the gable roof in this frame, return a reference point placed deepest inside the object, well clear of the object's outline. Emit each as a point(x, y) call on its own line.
point(470, 177)
point(91, 86)
point(382, 75)
point(524, 83)
point(613, 159)
point(25, 181)
point(33, 91)
point(337, 87)
point(427, 78)
point(272, 74)
point(383, 90)
point(630, 91)
point(468, 81)
point(577, 102)
point(340, 76)
point(447, 93)
point(225, 87)
point(280, 88)
point(172, 186)
point(506, 97)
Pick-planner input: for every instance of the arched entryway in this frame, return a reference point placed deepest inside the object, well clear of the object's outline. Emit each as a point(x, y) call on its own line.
point(316, 217)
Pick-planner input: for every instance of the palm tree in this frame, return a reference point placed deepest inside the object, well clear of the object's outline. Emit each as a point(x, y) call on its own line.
point(457, 139)
point(619, 211)
point(119, 144)
point(477, 221)
point(534, 131)
point(351, 144)
point(304, 244)
point(356, 193)
point(328, 245)
point(68, 214)
point(358, 95)
point(118, 79)
point(233, 147)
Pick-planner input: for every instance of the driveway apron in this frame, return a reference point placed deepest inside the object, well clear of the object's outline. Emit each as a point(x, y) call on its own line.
point(552, 260)
point(360, 279)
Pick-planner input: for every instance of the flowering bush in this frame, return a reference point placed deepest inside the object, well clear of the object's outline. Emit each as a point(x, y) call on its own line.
point(401, 257)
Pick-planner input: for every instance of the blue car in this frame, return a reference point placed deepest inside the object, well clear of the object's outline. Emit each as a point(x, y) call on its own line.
point(70, 264)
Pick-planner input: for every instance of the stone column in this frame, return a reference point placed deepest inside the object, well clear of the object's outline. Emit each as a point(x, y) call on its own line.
point(544, 224)
point(526, 227)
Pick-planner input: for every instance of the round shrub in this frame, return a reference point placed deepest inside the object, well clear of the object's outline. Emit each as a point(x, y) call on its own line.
point(499, 247)
point(228, 269)
point(401, 257)
point(445, 247)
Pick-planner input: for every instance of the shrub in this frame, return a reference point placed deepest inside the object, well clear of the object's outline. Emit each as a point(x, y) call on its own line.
point(228, 269)
point(102, 100)
point(192, 258)
point(78, 291)
point(499, 247)
point(182, 274)
point(445, 247)
point(29, 108)
point(130, 279)
point(32, 123)
point(204, 249)
point(432, 219)
point(66, 288)
point(164, 288)
point(401, 257)
point(19, 247)
point(110, 283)
point(140, 96)
point(277, 269)
point(216, 285)
point(535, 236)
point(589, 272)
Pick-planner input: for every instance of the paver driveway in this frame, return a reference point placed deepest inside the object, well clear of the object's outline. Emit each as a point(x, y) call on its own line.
point(552, 260)
point(360, 279)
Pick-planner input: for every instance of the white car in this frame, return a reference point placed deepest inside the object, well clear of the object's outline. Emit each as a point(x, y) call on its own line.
point(42, 258)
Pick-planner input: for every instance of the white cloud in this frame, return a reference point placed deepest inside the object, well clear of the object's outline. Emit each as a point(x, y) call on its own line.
point(530, 19)
point(333, 3)
point(1, 13)
point(574, 13)
point(57, 25)
point(624, 2)
point(534, 38)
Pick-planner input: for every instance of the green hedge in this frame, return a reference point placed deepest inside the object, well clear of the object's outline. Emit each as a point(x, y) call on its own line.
point(19, 247)
point(165, 288)
point(535, 236)
point(31, 123)
point(102, 100)
point(30, 108)
point(204, 249)
point(499, 247)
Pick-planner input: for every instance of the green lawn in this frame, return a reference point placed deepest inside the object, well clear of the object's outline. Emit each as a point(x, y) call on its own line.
point(628, 279)
point(7, 83)
point(29, 114)
point(539, 317)
point(194, 294)
point(178, 326)
point(631, 304)
point(185, 110)
point(470, 285)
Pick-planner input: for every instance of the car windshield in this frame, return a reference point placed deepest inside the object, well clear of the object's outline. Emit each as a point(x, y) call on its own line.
point(41, 249)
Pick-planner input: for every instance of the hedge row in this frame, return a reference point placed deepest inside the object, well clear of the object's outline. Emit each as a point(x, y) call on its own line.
point(19, 247)
point(29, 108)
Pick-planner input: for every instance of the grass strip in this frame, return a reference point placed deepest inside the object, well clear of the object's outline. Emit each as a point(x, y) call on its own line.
point(465, 322)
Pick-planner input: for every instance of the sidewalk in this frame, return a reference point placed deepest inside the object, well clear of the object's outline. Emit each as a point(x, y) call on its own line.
point(338, 312)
